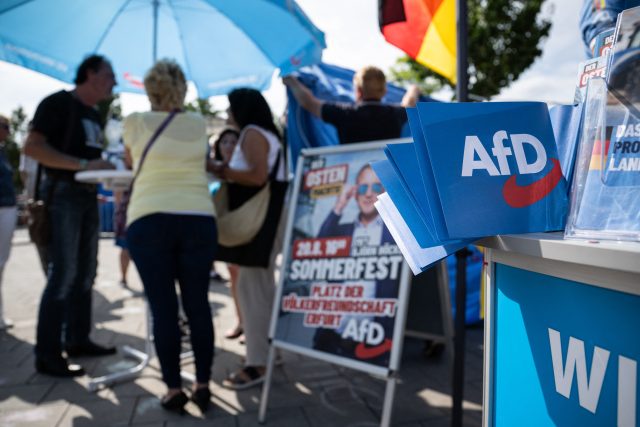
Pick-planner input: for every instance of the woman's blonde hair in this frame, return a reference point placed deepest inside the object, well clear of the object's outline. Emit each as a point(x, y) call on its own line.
point(166, 85)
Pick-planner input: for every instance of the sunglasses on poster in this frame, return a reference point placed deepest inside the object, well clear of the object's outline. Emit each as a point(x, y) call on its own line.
point(376, 188)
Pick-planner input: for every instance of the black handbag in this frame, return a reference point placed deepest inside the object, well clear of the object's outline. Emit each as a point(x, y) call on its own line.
point(38, 221)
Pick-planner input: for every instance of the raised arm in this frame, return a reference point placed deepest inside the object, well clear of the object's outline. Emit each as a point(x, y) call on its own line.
point(303, 95)
point(410, 98)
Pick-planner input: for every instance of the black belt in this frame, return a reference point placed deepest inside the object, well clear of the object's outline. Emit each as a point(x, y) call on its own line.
point(72, 182)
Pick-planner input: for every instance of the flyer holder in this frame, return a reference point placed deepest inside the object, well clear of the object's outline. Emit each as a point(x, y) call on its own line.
point(143, 358)
point(605, 194)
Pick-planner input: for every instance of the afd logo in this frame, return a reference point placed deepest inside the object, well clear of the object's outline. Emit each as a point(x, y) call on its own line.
point(476, 157)
point(589, 390)
point(370, 337)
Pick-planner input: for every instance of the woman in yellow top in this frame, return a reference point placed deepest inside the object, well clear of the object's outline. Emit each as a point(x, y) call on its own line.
point(172, 231)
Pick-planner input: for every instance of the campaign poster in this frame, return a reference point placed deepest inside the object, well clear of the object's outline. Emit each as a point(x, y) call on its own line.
point(342, 269)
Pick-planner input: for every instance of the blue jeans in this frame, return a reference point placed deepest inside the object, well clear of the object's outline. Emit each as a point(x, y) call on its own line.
point(72, 263)
point(166, 248)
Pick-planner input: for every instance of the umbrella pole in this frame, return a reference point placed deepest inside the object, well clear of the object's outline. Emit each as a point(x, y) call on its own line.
point(156, 5)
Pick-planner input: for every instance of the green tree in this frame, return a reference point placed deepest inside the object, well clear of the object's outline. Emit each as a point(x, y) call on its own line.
point(18, 123)
point(202, 106)
point(17, 131)
point(504, 38)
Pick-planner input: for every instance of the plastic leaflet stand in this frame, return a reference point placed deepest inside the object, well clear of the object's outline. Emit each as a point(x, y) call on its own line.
point(605, 194)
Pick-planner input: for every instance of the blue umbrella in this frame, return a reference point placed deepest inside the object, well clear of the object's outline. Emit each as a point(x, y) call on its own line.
point(221, 44)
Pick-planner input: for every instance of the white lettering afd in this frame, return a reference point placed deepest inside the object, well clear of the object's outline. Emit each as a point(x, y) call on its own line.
point(476, 156)
point(589, 389)
point(365, 331)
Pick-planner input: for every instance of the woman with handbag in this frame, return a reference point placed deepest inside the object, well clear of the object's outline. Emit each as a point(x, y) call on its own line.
point(256, 168)
point(171, 230)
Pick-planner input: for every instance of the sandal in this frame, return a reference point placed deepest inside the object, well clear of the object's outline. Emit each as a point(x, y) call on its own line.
point(245, 378)
point(234, 333)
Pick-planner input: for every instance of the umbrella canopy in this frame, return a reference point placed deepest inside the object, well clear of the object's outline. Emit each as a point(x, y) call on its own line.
point(220, 44)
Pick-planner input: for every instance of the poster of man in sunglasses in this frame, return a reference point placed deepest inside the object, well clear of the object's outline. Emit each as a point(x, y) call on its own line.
point(368, 229)
point(340, 291)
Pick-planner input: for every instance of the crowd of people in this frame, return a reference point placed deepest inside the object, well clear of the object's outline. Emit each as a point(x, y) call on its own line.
point(166, 222)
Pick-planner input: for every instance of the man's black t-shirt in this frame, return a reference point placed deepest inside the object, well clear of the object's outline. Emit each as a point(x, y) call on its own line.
point(365, 121)
point(53, 117)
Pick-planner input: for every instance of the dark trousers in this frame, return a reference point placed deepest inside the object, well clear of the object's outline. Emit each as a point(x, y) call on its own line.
point(72, 262)
point(166, 248)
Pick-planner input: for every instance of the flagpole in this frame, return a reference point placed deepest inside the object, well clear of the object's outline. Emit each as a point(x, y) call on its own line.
point(461, 256)
point(462, 75)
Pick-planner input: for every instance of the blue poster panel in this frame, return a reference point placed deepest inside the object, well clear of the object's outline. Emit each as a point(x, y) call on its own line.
point(565, 353)
point(341, 276)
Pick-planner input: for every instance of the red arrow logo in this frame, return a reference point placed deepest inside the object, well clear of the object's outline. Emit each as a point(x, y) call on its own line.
point(518, 196)
point(364, 352)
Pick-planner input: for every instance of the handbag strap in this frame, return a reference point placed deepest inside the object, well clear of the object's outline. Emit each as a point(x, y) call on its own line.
point(274, 171)
point(153, 139)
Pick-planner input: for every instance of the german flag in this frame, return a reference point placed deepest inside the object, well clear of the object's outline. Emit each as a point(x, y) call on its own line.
point(424, 29)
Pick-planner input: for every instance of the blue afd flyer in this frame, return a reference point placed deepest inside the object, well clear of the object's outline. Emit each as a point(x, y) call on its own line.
point(340, 284)
point(496, 167)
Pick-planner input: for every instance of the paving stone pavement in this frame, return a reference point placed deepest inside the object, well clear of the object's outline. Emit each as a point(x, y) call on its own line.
point(305, 392)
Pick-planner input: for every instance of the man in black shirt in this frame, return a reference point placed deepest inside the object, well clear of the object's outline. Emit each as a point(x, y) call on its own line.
point(368, 119)
point(66, 137)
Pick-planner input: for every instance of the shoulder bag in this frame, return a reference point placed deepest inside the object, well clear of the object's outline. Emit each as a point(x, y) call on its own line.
point(240, 225)
point(256, 252)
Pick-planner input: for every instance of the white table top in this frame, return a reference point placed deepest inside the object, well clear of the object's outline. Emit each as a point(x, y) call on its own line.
point(623, 256)
point(111, 179)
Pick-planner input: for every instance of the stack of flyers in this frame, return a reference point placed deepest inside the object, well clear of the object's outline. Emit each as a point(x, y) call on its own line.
point(605, 198)
point(567, 124)
point(595, 67)
point(603, 42)
point(473, 170)
point(624, 67)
